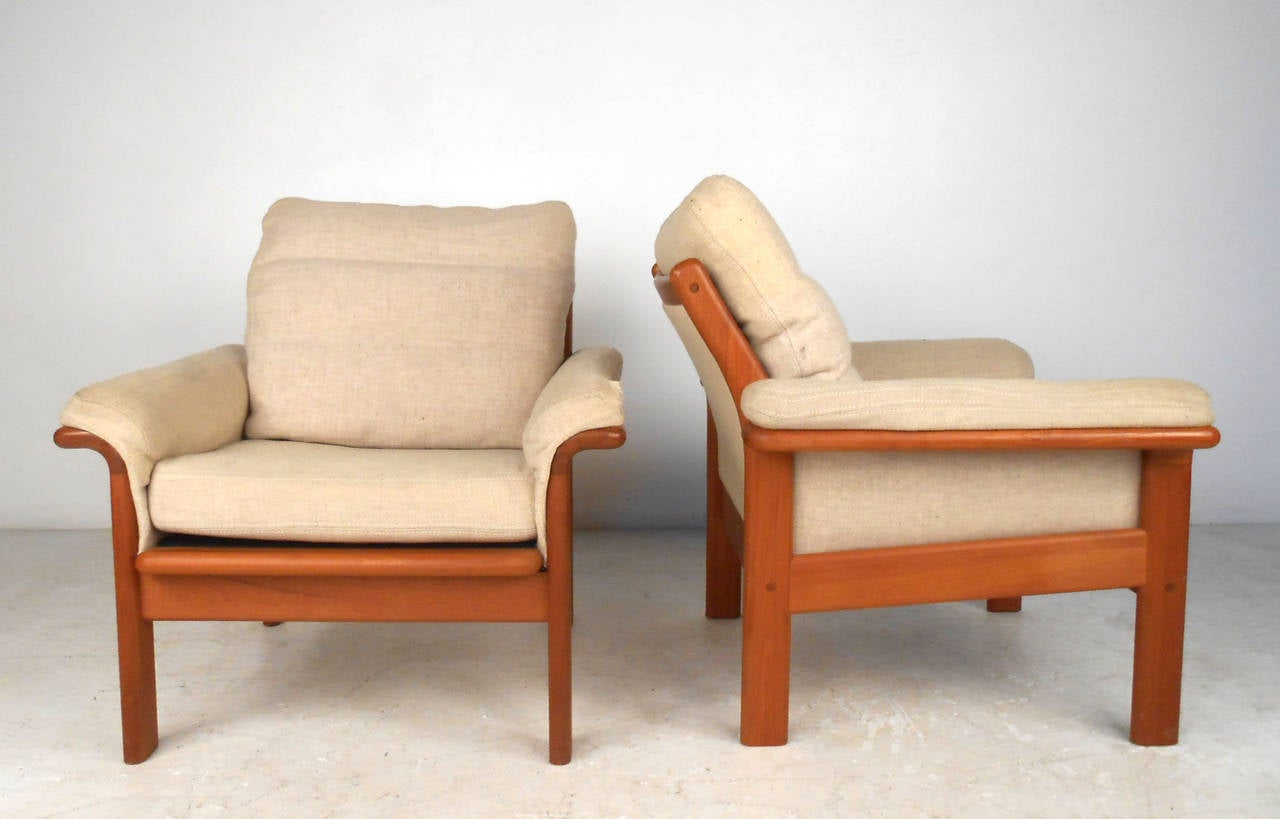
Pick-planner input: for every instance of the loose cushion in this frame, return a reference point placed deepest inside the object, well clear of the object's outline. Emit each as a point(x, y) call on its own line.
point(416, 327)
point(913, 404)
point(941, 358)
point(788, 318)
point(316, 492)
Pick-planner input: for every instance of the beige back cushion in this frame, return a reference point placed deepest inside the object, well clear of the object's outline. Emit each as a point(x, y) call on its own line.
point(788, 318)
point(418, 327)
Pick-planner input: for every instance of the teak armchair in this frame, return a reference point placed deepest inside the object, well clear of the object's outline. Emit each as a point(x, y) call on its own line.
point(892, 473)
point(394, 442)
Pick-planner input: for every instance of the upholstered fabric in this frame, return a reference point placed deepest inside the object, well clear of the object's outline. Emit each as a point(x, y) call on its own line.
point(415, 327)
point(194, 404)
point(943, 358)
point(317, 492)
point(731, 458)
point(975, 403)
point(856, 500)
point(786, 316)
point(585, 393)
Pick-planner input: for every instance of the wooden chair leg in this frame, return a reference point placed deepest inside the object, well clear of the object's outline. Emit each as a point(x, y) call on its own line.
point(560, 613)
point(1004, 604)
point(724, 571)
point(1162, 600)
point(134, 636)
point(766, 625)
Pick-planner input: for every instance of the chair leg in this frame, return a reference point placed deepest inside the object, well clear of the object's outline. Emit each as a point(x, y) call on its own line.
point(1162, 600)
point(724, 571)
point(134, 635)
point(560, 613)
point(766, 625)
point(137, 688)
point(1004, 604)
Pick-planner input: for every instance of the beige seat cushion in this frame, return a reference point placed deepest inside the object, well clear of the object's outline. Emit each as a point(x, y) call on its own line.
point(416, 327)
point(858, 500)
point(316, 492)
point(788, 318)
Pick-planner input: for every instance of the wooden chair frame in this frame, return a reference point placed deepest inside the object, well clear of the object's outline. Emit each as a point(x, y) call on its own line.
point(235, 580)
point(752, 570)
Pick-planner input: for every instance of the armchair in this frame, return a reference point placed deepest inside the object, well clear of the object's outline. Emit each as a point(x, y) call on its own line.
point(393, 442)
point(846, 476)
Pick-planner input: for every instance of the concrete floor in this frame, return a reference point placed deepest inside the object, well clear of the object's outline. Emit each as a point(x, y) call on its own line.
point(937, 710)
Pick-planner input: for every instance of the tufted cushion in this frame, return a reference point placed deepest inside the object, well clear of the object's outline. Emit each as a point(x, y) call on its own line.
point(418, 327)
point(786, 315)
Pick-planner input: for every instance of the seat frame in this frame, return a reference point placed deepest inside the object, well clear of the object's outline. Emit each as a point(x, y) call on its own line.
point(752, 570)
point(235, 580)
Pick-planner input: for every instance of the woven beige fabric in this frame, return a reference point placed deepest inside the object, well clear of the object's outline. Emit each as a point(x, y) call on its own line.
point(317, 492)
point(944, 358)
point(975, 403)
point(194, 404)
point(858, 500)
point(415, 327)
point(787, 316)
point(729, 450)
point(585, 393)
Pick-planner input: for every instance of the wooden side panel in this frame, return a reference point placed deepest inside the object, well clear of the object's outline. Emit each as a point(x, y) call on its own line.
point(303, 561)
point(973, 570)
point(355, 599)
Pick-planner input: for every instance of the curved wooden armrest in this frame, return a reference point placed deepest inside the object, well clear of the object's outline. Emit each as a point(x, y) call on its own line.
point(75, 438)
point(598, 438)
point(872, 440)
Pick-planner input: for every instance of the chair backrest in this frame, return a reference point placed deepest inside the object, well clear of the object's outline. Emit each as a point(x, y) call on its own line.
point(786, 315)
point(420, 327)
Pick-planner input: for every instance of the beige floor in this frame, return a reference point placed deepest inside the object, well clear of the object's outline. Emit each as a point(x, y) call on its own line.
point(941, 710)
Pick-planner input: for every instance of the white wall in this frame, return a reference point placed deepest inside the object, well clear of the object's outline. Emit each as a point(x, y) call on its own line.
point(1098, 181)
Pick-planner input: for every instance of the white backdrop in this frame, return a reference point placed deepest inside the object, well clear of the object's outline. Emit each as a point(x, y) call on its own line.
point(1097, 181)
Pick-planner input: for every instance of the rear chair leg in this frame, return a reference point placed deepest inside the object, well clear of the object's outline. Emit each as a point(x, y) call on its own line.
point(1162, 600)
point(724, 571)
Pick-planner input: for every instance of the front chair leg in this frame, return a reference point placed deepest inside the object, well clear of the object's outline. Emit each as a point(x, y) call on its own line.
point(560, 612)
point(135, 636)
point(137, 687)
point(1004, 604)
point(1162, 600)
point(766, 624)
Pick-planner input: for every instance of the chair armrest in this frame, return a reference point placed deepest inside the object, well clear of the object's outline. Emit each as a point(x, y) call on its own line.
point(945, 358)
point(194, 404)
point(974, 404)
point(584, 394)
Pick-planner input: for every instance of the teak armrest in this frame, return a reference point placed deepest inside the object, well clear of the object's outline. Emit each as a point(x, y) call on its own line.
point(870, 440)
